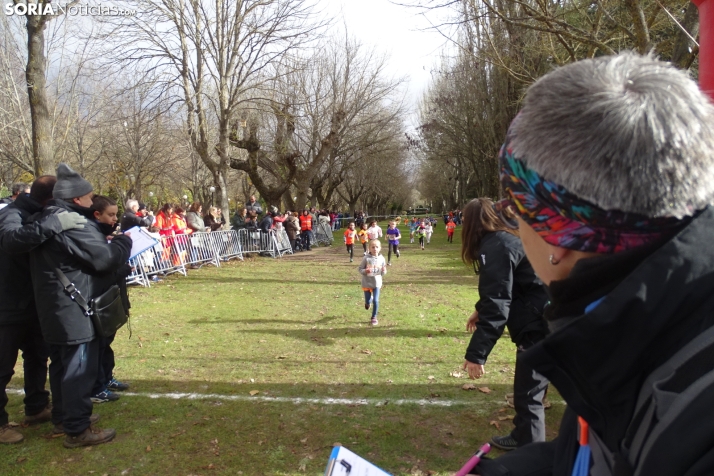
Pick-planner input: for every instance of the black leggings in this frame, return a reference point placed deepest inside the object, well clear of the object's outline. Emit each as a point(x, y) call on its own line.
point(351, 250)
point(421, 241)
point(364, 245)
point(395, 247)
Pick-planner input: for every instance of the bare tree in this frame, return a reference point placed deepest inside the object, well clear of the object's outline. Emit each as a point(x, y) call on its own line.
point(344, 95)
point(220, 53)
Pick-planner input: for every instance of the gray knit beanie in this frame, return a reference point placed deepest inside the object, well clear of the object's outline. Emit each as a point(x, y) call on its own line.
point(70, 184)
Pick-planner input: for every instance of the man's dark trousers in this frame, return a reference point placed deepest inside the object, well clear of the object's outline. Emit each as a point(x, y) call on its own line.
point(73, 372)
point(28, 338)
point(105, 366)
point(529, 388)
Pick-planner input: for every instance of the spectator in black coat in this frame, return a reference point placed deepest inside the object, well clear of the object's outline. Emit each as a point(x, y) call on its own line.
point(90, 263)
point(19, 324)
point(609, 167)
point(212, 219)
point(129, 219)
point(510, 295)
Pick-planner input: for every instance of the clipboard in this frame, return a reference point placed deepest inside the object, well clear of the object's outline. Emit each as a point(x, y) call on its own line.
point(343, 462)
point(141, 241)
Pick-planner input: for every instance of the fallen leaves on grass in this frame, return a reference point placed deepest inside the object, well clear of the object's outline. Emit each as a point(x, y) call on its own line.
point(366, 351)
point(484, 390)
point(495, 423)
point(148, 448)
point(505, 417)
point(254, 393)
point(468, 386)
point(455, 374)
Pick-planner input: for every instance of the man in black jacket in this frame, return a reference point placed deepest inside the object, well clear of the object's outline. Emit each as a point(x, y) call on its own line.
point(129, 219)
point(89, 263)
point(19, 324)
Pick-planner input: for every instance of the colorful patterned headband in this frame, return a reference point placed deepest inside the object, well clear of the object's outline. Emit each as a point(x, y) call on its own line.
point(566, 221)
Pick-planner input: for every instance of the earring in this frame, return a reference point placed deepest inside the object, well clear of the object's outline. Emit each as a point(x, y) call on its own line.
point(553, 261)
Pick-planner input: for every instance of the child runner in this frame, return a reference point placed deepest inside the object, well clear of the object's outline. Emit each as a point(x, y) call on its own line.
point(412, 228)
point(393, 237)
point(350, 237)
point(450, 227)
point(372, 268)
point(105, 212)
point(363, 237)
point(374, 232)
point(420, 233)
point(429, 231)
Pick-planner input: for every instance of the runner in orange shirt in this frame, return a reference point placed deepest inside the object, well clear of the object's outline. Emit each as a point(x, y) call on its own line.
point(350, 237)
point(450, 227)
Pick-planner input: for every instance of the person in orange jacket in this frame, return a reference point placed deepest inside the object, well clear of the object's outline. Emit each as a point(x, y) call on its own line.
point(305, 229)
point(450, 227)
point(163, 220)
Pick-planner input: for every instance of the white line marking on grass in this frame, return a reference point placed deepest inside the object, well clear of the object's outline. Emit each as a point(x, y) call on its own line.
point(296, 400)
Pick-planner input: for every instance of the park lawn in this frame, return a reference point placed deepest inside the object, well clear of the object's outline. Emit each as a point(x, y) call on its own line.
point(241, 344)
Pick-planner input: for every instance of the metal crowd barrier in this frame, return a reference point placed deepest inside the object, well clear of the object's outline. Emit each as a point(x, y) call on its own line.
point(166, 257)
point(173, 253)
point(138, 275)
point(282, 242)
point(323, 234)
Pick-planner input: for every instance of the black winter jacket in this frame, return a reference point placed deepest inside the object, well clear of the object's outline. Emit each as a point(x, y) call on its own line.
point(598, 360)
point(510, 294)
point(17, 300)
point(88, 261)
point(130, 220)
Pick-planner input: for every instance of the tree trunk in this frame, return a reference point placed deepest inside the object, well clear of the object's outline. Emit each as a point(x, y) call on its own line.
point(39, 112)
point(288, 201)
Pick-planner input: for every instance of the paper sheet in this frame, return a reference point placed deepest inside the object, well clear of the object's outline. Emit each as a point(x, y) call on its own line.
point(141, 240)
point(343, 462)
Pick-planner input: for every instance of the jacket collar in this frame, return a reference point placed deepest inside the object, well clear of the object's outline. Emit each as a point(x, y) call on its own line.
point(27, 204)
point(72, 207)
point(598, 360)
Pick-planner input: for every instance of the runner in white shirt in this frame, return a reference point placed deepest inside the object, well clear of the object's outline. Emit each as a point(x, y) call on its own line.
point(374, 232)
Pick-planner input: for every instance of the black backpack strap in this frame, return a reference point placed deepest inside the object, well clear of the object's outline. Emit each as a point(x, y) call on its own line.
point(667, 398)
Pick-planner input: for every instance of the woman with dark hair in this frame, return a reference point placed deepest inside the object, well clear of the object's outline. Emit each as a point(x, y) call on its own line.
point(164, 220)
point(194, 220)
point(510, 295)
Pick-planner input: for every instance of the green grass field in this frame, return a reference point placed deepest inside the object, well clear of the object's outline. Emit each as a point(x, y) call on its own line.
point(275, 362)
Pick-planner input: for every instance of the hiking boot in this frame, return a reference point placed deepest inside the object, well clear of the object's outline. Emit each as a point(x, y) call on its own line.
point(8, 436)
point(374, 321)
point(59, 429)
point(105, 396)
point(505, 443)
point(115, 384)
point(42, 417)
point(90, 437)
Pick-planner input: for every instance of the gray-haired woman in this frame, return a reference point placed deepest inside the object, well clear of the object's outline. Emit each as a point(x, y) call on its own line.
point(609, 167)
